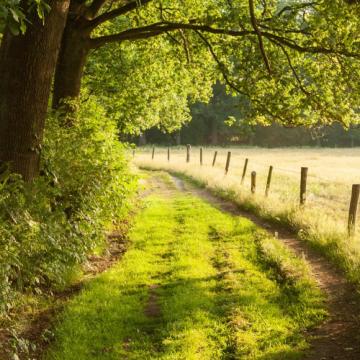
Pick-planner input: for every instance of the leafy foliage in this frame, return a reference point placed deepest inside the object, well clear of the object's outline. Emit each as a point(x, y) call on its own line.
point(50, 225)
point(222, 121)
point(294, 62)
point(150, 83)
point(14, 16)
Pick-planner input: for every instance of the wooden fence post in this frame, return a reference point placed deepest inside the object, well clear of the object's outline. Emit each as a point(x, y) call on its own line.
point(353, 208)
point(268, 181)
point(227, 162)
point(303, 181)
point(168, 154)
point(253, 182)
point(133, 152)
point(153, 153)
point(188, 148)
point(201, 156)
point(214, 159)
point(244, 170)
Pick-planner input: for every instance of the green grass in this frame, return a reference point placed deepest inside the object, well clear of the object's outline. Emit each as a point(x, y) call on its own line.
point(319, 225)
point(223, 289)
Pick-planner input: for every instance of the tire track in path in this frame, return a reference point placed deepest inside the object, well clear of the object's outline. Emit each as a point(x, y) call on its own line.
point(339, 337)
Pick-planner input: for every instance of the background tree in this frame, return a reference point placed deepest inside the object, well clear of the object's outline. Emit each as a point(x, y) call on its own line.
point(211, 121)
point(225, 115)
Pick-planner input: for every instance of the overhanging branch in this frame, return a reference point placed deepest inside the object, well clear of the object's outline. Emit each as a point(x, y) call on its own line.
point(94, 8)
point(276, 39)
point(298, 80)
point(161, 28)
point(221, 66)
point(231, 85)
point(122, 10)
point(259, 35)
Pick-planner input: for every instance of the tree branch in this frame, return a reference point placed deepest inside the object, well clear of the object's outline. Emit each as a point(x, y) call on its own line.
point(94, 8)
point(158, 29)
point(227, 80)
point(116, 12)
point(311, 96)
point(220, 64)
point(259, 35)
point(186, 46)
point(276, 39)
point(302, 88)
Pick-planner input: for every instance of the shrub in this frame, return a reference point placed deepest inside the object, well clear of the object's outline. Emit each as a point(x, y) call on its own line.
point(49, 226)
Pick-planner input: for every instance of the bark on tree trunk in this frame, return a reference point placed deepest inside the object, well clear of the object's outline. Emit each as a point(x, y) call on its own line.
point(142, 139)
point(178, 138)
point(27, 64)
point(71, 62)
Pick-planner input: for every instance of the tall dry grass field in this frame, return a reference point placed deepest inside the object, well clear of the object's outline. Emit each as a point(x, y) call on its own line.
point(323, 219)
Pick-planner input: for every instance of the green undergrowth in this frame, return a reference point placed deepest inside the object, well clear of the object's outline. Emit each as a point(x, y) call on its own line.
point(320, 232)
point(195, 284)
point(50, 226)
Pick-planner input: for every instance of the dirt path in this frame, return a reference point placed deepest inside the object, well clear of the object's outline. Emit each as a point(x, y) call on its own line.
point(339, 337)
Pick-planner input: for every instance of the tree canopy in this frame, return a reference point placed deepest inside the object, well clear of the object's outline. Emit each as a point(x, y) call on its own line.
point(149, 84)
point(297, 62)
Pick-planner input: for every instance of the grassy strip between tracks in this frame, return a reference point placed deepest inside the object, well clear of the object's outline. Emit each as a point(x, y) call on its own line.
point(312, 224)
point(195, 284)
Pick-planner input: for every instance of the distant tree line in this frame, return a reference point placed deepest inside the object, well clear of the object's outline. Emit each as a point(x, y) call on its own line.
point(221, 122)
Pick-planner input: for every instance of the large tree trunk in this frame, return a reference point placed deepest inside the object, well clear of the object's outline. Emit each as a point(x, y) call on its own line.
point(72, 59)
point(27, 64)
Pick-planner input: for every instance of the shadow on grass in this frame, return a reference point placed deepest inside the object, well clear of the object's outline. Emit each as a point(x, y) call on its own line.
point(195, 315)
point(215, 301)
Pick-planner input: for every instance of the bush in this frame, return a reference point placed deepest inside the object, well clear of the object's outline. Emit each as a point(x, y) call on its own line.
point(50, 225)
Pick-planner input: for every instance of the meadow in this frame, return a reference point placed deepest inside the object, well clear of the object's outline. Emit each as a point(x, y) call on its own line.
point(323, 219)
